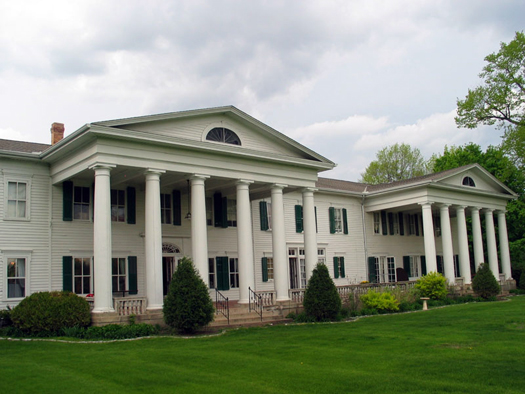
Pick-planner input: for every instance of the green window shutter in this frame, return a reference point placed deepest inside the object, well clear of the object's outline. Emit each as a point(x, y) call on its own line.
point(406, 265)
point(67, 273)
point(401, 224)
point(315, 211)
point(264, 262)
point(383, 223)
point(342, 266)
point(439, 261)
point(132, 275)
point(423, 265)
point(336, 267)
point(298, 218)
point(416, 220)
point(391, 223)
point(67, 198)
point(132, 205)
point(331, 215)
point(223, 273)
point(93, 199)
point(345, 221)
point(458, 272)
point(217, 209)
point(372, 278)
point(263, 210)
point(177, 208)
point(224, 223)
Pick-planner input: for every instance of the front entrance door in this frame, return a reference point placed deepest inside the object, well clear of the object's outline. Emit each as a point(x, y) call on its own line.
point(169, 264)
point(297, 268)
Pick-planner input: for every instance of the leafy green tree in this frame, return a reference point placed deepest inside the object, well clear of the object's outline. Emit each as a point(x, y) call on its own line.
point(432, 285)
point(484, 283)
point(500, 100)
point(395, 163)
point(321, 299)
point(188, 305)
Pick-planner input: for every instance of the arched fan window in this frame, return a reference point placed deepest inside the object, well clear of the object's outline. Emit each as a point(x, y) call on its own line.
point(468, 181)
point(170, 248)
point(221, 134)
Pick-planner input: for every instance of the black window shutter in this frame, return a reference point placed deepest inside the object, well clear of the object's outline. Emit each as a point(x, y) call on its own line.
point(316, 229)
point(224, 223)
point(223, 273)
point(458, 272)
point(217, 209)
point(406, 265)
point(439, 261)
point(391, 223)
point(416, 221)
point(67, 273)
point(177, 208)
point(345, 221)
point(132, 275)
point(401, 224)
point(423, 265)
point(67, 198)
point(132, 205)
point(383, 223)
point(336, 267)
point(263, 210)
point(342, 266)
point(298, 218)
point(264, 262)
point(331, 214)
point(372, 278)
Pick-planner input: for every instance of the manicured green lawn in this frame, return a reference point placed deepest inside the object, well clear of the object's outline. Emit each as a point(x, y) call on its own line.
point(471, 348)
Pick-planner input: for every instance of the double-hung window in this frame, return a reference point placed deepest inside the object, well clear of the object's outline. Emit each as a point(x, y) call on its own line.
point(339, 267)
point(82, 275)
point(338, 220)
point(267, 269)
point(16, 277)
point(17, 200)
point(377, 223)
point(231, 212)
point(165, 208)
point(118, 273)
point(118, 205)
point(234, 272)
point(81, 200)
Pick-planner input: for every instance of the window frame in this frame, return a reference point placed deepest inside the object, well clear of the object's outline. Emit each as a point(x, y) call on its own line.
point(119, 274)
point(17, 180)
point(166, 213)
point(231, 212)
point(74, 275)
point(82, 203)
point(118, 205)
point(376, 223)
point(18, 254)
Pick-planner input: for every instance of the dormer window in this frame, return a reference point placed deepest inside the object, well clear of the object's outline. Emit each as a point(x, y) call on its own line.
point(468, 181)
point(221, 134)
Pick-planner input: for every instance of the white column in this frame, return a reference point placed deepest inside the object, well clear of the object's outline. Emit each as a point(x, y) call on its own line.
point(153, 240)
point(477, 238)
point(244, 241)
point(199, 234)
point(102, 246)
point(280, 265)
point(446, 239)
point(504, 245)
point(492, 250)
point(464, 257)
point(310, 236)
point(430, 242)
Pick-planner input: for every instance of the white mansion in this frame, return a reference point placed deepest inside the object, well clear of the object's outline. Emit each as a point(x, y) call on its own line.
point(109, 210)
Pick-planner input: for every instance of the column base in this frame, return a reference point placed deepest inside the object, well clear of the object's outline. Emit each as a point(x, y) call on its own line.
point(154, 307)
point(103, 310)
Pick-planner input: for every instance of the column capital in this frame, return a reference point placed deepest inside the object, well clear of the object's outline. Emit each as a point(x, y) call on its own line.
point(243, 182)
point(279, 186)
point(501, 211)
point(426, 204)
point(488, 210)
point(444, 206)
point(154, 171)
point(461, 207)
point(98, 166)
point(201, 177)
point(477, 209)
point(309, 190)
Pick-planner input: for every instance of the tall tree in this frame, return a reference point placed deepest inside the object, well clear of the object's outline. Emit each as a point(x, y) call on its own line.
point(500, 100)
point(395, 163)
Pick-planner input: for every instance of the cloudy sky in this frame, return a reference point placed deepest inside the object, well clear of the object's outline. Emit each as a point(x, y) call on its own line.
point(345, 78)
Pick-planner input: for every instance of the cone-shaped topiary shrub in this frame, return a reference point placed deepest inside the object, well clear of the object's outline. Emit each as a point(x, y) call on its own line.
point(188, 305)
point(484, 283)
point(321, 299)
point(49, 312)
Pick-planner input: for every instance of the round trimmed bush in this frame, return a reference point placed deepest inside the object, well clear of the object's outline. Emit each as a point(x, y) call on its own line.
point(50, 312)
point(382, 302)
point(433, 285)
point(484, 283)
point(321, 299)
point(188, 305)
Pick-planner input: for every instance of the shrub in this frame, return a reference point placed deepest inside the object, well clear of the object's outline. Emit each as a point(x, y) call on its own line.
point(522, 280)
point(321, 299)
point(484, 283)
point(382, 302)
point(5, 318)
point(433, 285)
point(46, 313)
point(188, 305)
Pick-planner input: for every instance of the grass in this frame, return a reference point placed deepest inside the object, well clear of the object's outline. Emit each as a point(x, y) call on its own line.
point(470, 348)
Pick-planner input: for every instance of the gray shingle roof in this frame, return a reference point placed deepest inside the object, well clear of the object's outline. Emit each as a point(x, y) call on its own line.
point(22, 146)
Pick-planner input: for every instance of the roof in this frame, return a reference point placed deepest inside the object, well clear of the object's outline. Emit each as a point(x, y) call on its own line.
point(23, 146)
point(336, 184)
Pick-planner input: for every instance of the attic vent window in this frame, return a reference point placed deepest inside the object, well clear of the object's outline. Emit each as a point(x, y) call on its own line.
point(221, 134)
point(468, 181)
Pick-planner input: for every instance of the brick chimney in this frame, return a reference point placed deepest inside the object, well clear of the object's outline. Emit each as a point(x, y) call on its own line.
point(57, 132)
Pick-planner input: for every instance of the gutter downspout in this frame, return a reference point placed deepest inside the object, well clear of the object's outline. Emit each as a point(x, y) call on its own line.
point(363, 196)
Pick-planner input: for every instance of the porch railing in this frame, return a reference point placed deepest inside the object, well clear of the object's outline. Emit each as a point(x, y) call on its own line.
point(126, 306)
point(255, 302)
point(296, 295)
point(222, 305)
point(268, 297)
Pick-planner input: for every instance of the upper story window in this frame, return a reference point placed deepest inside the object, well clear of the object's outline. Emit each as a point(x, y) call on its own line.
point(468, 181)
point(165, 208)
point(17, 200)
point(118, 205)
point(221, 134)
point(81, 200)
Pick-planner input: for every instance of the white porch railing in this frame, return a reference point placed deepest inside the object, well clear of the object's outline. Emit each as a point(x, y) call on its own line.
point(126, 306)
point(296, 295)
point(268, 297)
